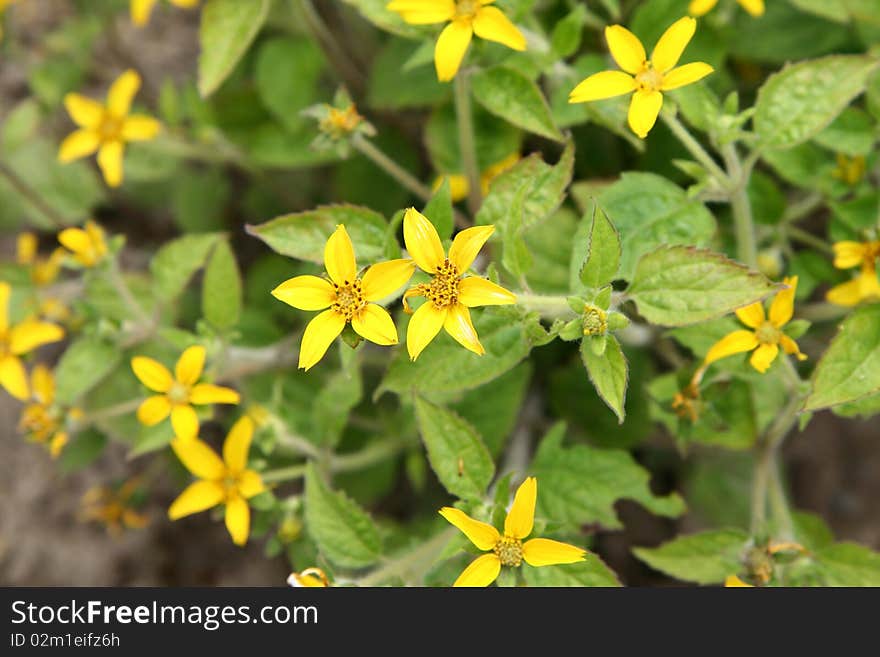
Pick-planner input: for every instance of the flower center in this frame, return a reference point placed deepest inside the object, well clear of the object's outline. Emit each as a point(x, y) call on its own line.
point(649, 78)
point(442, 291)
point(509, 551)
point(40, 421)
point(339, 123)
point(595, 320)
point(230, 486)
point(178, 393)
point(466, 8)
point(349, 299)
point(768, 334)
point(110, 127)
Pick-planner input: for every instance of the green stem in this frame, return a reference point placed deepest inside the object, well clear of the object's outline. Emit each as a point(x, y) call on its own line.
point(779, 503)
point(335, 54)
point(695, 148)
point(802, 208)
point(122, 289)
point(389, 166)
point(802, 236)
point(122, 408)
point(370, 455)
point(466, 142)
point(414, 563)
point(548, 305)
point(741, 206)
point(32, 196)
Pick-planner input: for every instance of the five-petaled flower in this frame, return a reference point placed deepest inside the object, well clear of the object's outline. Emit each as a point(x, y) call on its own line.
point(226, 481)
point(646, 78)
point(88, 245)
point(18, 340)
point(450, 294)
point(141, 9)
point(42, 420)
point(178, 393)
point(466, 18)
point(346, 297)
point(865, 286)
point(106, 128)
point(766, 334)
point(508, 549)
point(703, 7)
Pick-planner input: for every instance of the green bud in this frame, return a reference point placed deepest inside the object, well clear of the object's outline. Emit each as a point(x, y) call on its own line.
point(617, 321)
point(572, 330)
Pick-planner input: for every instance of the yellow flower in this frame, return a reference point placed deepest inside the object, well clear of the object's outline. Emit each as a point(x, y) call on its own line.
point(106, 128)
point(88, 244)
point(340, 122)
point(43, 271)
point(346, 297)
point(141, 9)
point(227, 481)
point(449, 295)
point(865, 286)
point(645, 77)
point(766, 335)
point(179, 392)
point(309, 578)
point(42, 420)
point(850, 170)
point(113, 507)
point(703, 7)
point(458, 183)
point(18, 340)
point(466, 18)
point(508, 549)
point(732, 581)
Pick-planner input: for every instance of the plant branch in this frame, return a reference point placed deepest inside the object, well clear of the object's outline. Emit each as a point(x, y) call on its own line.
point(695, 148)
point(743, 222)
point(414, 563)
point(370, 455)
point(389, 166)
point(466, 142)
point(32, 197)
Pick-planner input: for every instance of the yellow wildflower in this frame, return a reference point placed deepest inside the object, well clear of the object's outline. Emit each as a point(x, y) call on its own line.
point(732, 581)
point(43, 271)
point(88, 245)
point(865, 285)
point(178, 393)
point(346, 297)
point(766, 335)
point(113, 507)
point(466, 18)
point(227, 481)
point(850, 170)
point(141, 9)
point(106, 128)
point(53, 310)
point(450, 294)
point(42, 420)
point(459, 188)
point(508, 549)
point(340, 122)
point(703, 7)
point(18, 340)
point(309, 578)
point(646, 78)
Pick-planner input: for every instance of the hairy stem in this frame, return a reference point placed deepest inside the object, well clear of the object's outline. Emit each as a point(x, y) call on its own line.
point(743, 222)
point(370, 455)
point(694, 147)
point(32, 196)
point(336, 55)
point(389, 166)
point(414, 563)
point(466, 142)
point(122, 289)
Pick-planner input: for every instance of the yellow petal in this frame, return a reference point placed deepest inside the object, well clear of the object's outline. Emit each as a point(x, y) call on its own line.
point(43, 384)
point(134, 520)
point(375, 324)
point(732, 581)
point(683, 75)
point(237, 444)
point(672, 44)
point(491, 24)
point(77, 144)
point(238, 519)
point(140, 11)
point(869, 285)
point(31, 334)
point(451, 47)
point(846, 294)
point(5, 293)
point(385, 278)
point(110, 161)
point(764, 356)
point(848, 254)
point(482, 571)
point(198, 496)
point(85, 112)
point(643, 111)
point(458, 324)
point(320, 332)
point(305, 293)
point(423, 326)
point(458, 186)
point(701, 7)
point(122, 92)
point(789, 346)
point(184, 421)
point(57, 444)
point(752, 315)
point(339, 260)
point(521, 516)
point(599, 86)
point(419, 12)
point(185, 4)
point(190, 365)
point(481, 534)
point(199, 458)
point(139, 127)
point(422, 241)
point(208, 393)
point(467, 245)
point(782, 307)
point(152, 373)
point(153, 410)
point(13, 378)
point(547, 552)
point(754, 7)
point(75, 239)
point(26, 248)
point(250, 484)
point(732, 343)
point(625, 47)
point(474, 291)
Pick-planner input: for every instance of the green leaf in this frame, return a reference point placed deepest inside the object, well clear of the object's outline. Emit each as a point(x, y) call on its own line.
point(590, 572)
point(85, 447)
point(851, 133)
point(515, 98)
point(439, 210)
point(286, 75)
point(679, 285)
point(848, 564)
point(649, 211)
point(174, 264)
point(566, 36)
point(581, 484)
point(603, 251)
point(393, 87)
point(608, 372)
point(705, 558)
point(515, 256)
point(228, 27)
point(84, 363)
point(343, 531)
point(799, 101)
point(850, 368)
point(303, 235)
point(455, 450)
point(331, 407)
point(221, 288)
point(834, 10)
